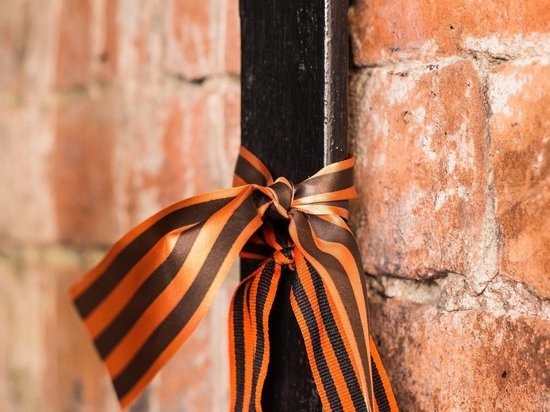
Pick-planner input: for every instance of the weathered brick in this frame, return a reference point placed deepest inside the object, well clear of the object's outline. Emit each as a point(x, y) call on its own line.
point(399, 29)
point(232, 38)
point(18, 373)
point(463, 361)
point(87, 42)
point(12, 32)
point(419, 135)
point(26, 201)
point(107, 49)
point(83, 168)
point(520, 103)
point(177, 146)
point(76, 376)
point(197, 378)
point(27, 51)
point(74, 56)
point(202, 38)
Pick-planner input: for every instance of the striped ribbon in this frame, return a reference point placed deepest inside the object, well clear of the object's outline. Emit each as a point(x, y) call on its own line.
point(154, 286)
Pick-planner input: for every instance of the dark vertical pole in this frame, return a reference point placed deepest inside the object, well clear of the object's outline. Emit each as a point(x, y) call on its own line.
point(294, 117)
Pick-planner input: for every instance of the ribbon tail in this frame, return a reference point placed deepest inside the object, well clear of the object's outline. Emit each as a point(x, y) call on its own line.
point(249, 336)
point(331, 254)
point(383, 395)
point(336, 374)
point(155, 285)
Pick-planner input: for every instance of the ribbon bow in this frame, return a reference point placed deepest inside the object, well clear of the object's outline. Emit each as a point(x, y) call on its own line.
point(156, 283)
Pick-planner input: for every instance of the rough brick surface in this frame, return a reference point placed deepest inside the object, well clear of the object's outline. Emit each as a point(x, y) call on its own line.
point(520, 102)
point(419, 134)
point(403, 30)
point(99, 129)
point(112, 109)
point(47, 361)
point(202, 38)
point(26, 199)
point(83, 168)
point(463, 361)
point(74, 57)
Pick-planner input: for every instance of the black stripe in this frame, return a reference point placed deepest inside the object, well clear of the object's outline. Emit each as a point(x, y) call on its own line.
point(256, 248)
point(238, 339)
point(327, 183)
point(340, 278)
point(147, 293)
point(283, 192)
point(180, 315)
point(264, 286)
point(313, 328)
point(379, 391)
point(333, 233)
point(337, 342)
point(131, 254)
point(249, 173)
point(280, 230)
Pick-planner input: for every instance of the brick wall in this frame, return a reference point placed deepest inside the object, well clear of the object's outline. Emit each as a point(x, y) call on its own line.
point(109, 110)
point(112, 109)
point(450, 120)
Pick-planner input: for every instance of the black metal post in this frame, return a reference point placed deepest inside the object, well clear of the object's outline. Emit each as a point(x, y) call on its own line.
point(294, 117)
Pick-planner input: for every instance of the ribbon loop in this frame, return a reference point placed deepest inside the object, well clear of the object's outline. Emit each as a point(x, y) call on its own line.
point(155, 285)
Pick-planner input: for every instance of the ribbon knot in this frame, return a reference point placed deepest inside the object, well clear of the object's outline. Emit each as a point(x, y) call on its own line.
point(154, 286)
point(281, 200)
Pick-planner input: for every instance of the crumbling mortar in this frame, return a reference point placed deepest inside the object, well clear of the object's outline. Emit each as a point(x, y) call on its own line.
point(454, 293)
point(470, 50)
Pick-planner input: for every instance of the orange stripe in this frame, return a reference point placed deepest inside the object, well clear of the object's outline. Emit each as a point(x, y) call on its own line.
point(307, 340)
point(250, 336)
point(98, 270)
point(383, 376)
point(320, 209)
point(265, 319)
point(328, 350)
point(238, 181)
point(257, 163)
point(335, 167)
point(344, 194)
point(195, 319)
point(337, 299)
point(171, 295)
point(254, 256)
point(231, 348)
point(346, 259)
point(115, 301)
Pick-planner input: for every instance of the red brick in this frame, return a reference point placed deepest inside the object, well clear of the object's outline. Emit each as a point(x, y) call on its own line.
point(12, 33)
point(178, 147)
point(232, 45)
point(75, 47)
point(202, 38)
point(83, 169)
point(419, 137)
point(401, 29)
point(197, 378)
point(20, 370)
point(26, 202)
point(46, 362)
point(106, 62)
point(76, 376)
point(520, 103)
point(463, 361)
point(81, 57)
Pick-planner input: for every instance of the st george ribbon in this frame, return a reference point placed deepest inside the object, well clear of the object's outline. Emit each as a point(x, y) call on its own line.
point(156, 283)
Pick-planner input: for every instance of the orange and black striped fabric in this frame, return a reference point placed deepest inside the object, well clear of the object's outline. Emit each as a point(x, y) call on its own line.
point(155, 285)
